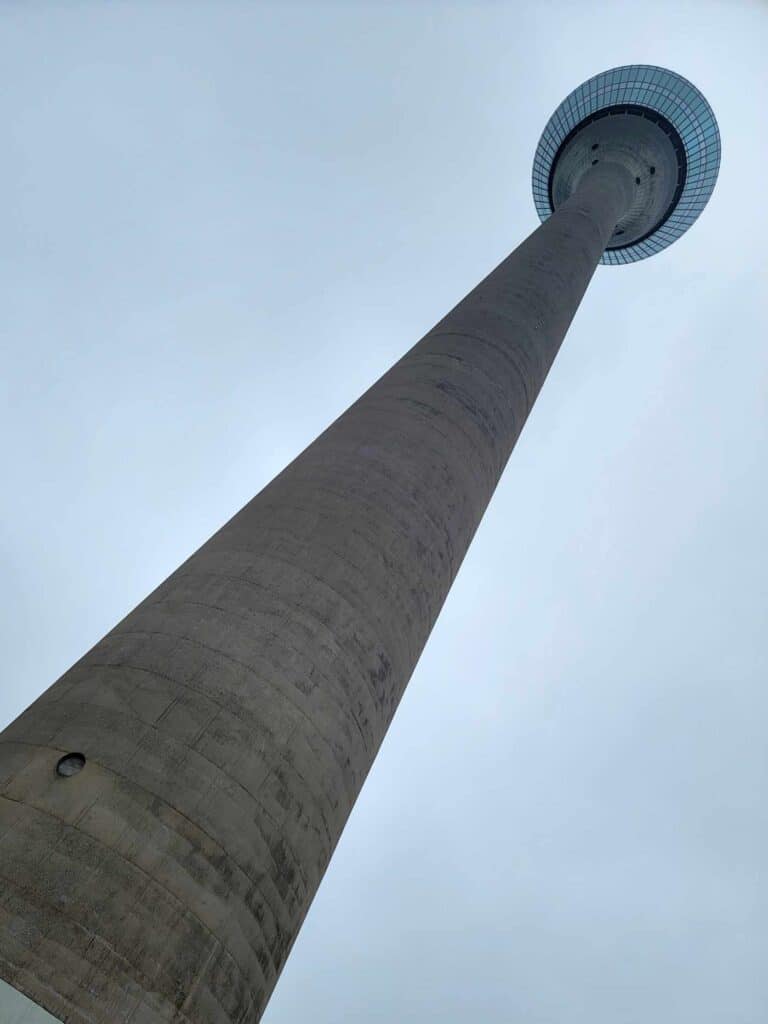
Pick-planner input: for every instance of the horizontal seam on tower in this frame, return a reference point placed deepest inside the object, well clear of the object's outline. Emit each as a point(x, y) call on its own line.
point(494, 344)
point(174, 810)
point(242, 664)
point(172, 807)
point(269, 633)
point(39, 894)
point(315, 617)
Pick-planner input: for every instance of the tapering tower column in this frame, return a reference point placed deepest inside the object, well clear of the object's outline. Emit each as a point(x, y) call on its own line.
point(169, 806)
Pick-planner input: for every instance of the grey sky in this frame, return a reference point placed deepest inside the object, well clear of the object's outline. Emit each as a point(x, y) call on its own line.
point(220, 223)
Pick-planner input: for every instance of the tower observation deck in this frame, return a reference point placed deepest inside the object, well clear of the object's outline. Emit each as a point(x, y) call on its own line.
point(651, 122)
point(169, 806)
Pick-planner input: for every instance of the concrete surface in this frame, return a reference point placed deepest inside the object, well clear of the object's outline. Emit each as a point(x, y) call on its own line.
point(648, 154)
point(229, 721)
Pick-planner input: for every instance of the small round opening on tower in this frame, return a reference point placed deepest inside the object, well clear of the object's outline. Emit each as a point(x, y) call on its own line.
point(70, 764)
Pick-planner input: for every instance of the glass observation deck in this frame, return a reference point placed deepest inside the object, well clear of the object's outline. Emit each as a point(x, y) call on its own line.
point(650, 91)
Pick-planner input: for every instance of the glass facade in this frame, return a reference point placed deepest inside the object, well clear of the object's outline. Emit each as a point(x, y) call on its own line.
point(680, 103)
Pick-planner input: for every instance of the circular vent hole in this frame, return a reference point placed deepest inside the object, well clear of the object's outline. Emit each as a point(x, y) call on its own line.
point(652, 170)
point(595, 162)
point(70, 765)
point(595, 145)
point(637, 181)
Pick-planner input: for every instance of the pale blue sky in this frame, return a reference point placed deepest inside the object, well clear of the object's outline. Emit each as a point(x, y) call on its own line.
point(220, 223)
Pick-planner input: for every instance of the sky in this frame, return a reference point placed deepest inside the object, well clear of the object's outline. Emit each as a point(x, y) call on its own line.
point(220, 223)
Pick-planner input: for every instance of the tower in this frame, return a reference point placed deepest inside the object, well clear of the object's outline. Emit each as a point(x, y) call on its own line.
point(169, 806)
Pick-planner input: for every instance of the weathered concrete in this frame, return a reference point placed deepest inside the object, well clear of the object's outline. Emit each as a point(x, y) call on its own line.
point(231, 719)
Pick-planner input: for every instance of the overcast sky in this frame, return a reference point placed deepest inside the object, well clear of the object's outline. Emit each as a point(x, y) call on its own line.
point(220, 223)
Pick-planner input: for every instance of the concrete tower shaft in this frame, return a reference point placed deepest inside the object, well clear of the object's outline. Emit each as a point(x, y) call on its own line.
point(227, 724)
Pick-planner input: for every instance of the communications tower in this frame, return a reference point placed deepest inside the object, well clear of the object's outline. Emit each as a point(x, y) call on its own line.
point(169, 806)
